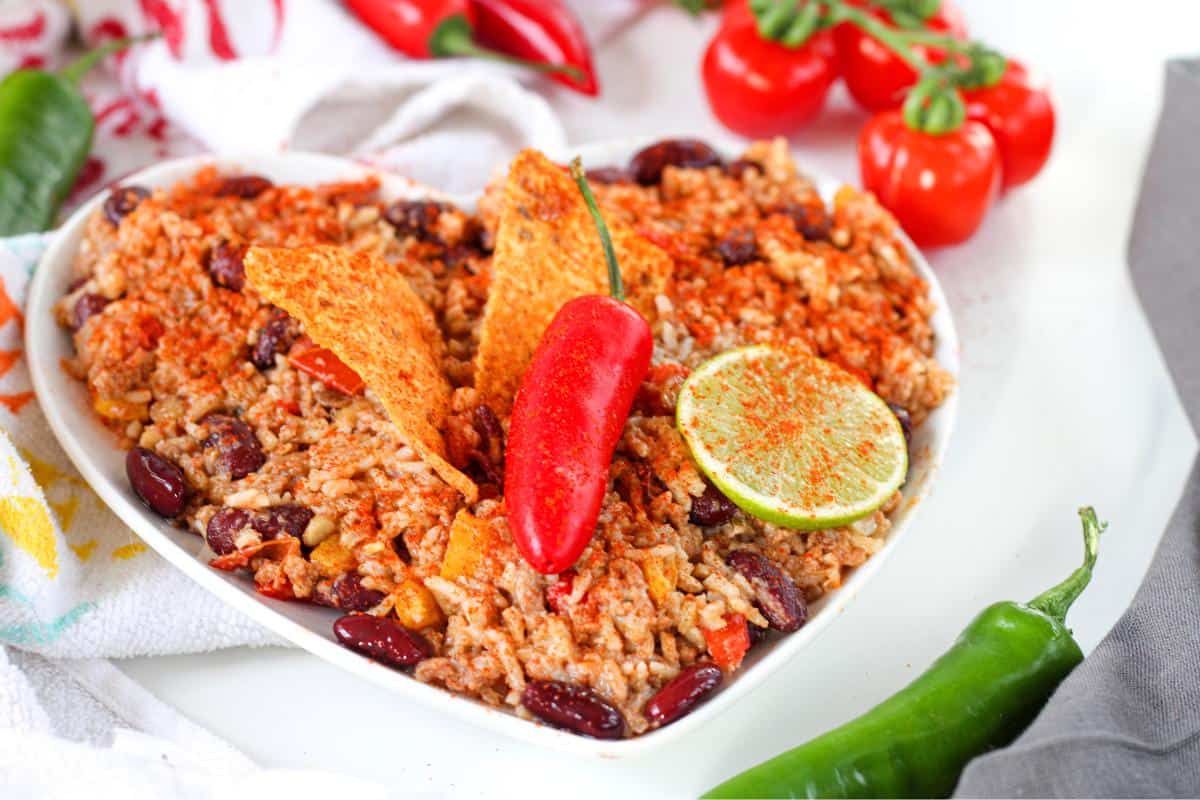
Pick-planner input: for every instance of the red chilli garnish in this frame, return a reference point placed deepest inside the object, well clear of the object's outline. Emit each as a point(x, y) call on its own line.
point(568, 415)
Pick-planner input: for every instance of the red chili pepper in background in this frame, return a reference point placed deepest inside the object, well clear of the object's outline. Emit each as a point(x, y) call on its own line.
point(545, 36)
point(939, 186)
point(876, 77)
point(1020, 115)
point(760, 88)
point(568, 416)
point(543, 31)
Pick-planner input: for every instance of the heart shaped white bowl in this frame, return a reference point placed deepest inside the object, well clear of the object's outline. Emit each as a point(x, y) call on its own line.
point(93, 450)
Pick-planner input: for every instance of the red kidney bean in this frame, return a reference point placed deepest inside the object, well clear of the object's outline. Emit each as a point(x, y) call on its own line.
point(350, 594)
point(274, 337)
point(401, 549)
point(757, 633)
point(157, 482)
point(738, 247)
point(683, 693)
point(382, 639)
point(811, 221)
point(574, 708)
point(736, 169)
point(777, 596)
point(607, 175)
point(288, 519)
point(247, 187)
point(223, 528)
point(121, 202)
point(238, 450)
point(417, 218)
point(86, 307)
point(226, 267)
point(711, 508)
point(647, 164)
point(905, 420)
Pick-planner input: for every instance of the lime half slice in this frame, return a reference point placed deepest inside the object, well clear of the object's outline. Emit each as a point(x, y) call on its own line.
point(791, 438)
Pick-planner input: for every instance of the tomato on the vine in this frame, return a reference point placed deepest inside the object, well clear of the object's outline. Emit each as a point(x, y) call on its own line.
point(1020, 115)
point(938, 186)
point(876, 77)
point(758, 87)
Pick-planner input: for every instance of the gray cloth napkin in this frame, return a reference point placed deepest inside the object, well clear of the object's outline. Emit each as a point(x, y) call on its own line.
point(1126, 723)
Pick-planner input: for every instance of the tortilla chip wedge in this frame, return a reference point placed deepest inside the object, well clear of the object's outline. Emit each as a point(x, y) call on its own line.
point(363, 310)
point(548, 252)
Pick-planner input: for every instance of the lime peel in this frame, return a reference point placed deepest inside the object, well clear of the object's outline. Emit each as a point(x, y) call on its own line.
point(791, 438)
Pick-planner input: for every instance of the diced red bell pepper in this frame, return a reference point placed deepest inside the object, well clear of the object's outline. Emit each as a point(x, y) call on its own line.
point(728, 645)
point(322, 364)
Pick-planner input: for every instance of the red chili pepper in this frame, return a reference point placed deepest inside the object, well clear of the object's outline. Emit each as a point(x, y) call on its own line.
point(543, 31)
point(330, 370)
point(568, 415)
point(542, 36)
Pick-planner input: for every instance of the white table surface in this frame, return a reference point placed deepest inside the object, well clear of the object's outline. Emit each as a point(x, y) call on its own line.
point(1064, 402)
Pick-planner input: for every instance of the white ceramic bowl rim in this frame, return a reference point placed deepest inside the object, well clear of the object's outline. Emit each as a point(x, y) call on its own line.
point(93, 451)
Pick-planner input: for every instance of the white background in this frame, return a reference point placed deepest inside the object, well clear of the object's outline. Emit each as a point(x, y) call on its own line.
point(1064, 401)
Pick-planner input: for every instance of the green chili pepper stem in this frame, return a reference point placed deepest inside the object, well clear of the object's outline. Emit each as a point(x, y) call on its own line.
point(454, 37)
point(1056, 601)
point(82, 65)
point(615, 287)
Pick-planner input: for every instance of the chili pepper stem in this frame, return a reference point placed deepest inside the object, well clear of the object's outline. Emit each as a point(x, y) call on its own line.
point(1056, 601)
point(615, 287)
point(82, 65)
point(454, 38)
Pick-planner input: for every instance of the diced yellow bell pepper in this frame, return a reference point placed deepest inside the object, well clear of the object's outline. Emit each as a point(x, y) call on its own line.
point(661, 575)
point(332, 558)
point(415, 606)
point(120, 409)
point(470, 540)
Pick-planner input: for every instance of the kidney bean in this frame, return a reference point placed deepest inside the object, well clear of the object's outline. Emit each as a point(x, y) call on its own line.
point(274, 337)
point(905, 421)
point(608, 175)
point(401, 549)
point(283, 520)
point(738, 247)
point(811, 221)
point(574, 708)
point(417, 218)
point(736, 169)
point(238, 450)
point(86, 307)
point(350, 594)
point(382, 639)
point(777, 596)
point(247, 187)
point(711, 508)
point(223, 528)
point(647, 164)
point(757, 633)
point(683, 693)
point(121, 202)
point(226, 267)
point(158, 483)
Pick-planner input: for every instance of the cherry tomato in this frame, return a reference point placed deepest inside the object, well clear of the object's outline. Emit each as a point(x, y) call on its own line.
point(1020, 115)
point(876, 77)
point(760, 88)
point(939, 187)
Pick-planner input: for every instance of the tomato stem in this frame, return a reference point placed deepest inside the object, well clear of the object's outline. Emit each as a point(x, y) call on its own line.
point(894, 40)
point(616, 288)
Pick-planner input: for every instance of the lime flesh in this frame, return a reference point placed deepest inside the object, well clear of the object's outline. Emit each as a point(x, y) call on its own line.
point(791, 438)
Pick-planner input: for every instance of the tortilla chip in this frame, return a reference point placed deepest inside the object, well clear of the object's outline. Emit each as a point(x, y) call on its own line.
point(363, 310)
point(548, 252)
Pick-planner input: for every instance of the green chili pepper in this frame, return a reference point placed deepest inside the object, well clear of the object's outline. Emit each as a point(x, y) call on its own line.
point(45, 135)
point(980, 695)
